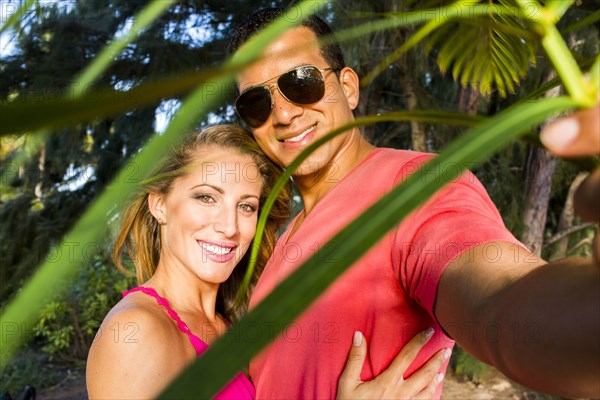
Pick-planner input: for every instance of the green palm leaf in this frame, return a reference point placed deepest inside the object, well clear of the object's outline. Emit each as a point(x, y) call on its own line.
point(490, 52)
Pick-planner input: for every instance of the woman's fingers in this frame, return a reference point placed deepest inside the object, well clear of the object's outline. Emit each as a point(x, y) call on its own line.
point(429, 374)
point(407, 355)
point(351, 375)
point(390, 383)
point(429, 391)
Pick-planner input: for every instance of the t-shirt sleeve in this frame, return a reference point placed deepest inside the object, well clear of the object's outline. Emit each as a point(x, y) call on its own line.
point(458, 217)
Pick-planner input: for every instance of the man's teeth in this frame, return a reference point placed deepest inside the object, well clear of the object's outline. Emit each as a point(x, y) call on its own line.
point(211, 248)
point(300, 136)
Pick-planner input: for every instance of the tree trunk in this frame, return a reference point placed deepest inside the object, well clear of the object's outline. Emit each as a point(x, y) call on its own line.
point(418, 133)
point(406, 65)
point(540, 168)
point(384, 43)
point(468, 99)
point(371, 101)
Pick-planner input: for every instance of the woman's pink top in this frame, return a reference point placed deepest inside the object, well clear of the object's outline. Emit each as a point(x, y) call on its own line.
point(239, 387)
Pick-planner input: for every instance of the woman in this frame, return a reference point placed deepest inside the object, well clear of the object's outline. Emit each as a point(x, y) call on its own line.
point(187, 231)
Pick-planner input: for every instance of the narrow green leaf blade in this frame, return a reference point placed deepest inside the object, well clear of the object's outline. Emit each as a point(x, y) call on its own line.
point(590, 19)
point(22, 116)
point(14, 18)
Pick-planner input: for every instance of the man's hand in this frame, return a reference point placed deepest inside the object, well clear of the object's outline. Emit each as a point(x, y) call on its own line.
point(575, 136)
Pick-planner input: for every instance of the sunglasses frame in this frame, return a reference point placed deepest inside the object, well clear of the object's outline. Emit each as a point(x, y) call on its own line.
point(276, 84)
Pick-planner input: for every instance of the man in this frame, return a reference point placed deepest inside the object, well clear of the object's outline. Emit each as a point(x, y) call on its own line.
point(451, 265)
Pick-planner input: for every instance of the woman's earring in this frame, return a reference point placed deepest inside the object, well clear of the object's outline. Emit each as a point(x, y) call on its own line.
point(161, 221)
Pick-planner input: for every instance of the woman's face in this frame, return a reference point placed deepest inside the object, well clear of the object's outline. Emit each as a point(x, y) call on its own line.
point(210, 214)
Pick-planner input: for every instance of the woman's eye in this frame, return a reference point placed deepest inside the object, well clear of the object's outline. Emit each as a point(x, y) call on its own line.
point(249, 208)
point(204, 198)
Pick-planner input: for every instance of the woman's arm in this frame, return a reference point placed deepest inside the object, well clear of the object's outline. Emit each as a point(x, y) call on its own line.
point(135, 354)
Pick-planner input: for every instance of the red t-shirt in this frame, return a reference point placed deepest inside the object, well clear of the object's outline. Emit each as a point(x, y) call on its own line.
point(388, 294)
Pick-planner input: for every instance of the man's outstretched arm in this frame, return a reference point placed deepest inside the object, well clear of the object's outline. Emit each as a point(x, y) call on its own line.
point(538, 323)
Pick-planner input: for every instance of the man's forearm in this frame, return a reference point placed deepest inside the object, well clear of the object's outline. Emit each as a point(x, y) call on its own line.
point(550, 324)
point(539, 325)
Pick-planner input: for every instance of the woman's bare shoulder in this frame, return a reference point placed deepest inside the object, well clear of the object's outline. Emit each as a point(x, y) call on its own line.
point(136, 351)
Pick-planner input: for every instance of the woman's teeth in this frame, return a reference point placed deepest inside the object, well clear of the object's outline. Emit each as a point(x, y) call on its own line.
point(211, 248)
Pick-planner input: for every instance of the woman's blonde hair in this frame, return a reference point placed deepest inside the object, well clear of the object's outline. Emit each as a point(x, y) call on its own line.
point(139, 233)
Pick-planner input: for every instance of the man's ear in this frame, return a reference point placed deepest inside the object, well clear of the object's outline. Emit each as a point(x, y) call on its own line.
point(156, 205)
point(349, 81)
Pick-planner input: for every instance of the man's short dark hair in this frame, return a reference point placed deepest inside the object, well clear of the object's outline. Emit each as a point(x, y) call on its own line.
point(332, 53)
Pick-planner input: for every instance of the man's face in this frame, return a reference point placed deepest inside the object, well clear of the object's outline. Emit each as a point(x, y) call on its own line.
point(291, 127)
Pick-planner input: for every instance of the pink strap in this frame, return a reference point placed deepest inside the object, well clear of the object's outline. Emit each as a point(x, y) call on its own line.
point(165, 303)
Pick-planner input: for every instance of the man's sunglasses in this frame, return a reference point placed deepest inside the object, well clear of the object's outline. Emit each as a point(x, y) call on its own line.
point(302, 85)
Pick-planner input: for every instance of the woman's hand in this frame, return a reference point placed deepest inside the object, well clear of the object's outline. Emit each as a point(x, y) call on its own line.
point(422, 384)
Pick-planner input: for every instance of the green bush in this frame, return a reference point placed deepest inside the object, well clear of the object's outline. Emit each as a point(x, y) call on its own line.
point(465, 366)
point(29, 366)
point(66, 328)
point(67, 325)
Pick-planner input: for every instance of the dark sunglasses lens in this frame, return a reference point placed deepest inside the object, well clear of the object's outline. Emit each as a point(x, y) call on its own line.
point(302, 85)
point(254, 106)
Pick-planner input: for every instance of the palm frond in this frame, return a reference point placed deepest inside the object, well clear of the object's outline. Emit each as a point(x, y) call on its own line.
point(492, 52)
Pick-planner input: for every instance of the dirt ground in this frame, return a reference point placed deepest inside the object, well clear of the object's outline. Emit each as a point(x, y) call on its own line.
point(493, 386)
